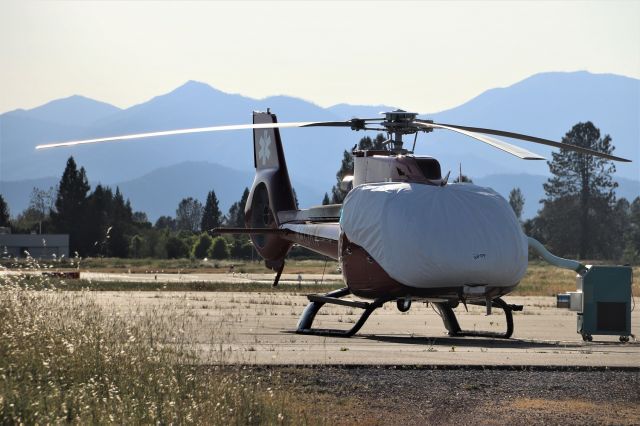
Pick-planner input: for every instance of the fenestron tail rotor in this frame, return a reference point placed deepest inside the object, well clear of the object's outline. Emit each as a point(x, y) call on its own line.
point(396, 123)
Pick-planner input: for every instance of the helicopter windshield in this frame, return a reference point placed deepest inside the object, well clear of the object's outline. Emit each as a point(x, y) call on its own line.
point(430, 168)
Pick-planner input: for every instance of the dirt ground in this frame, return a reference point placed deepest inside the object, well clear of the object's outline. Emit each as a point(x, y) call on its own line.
point(417, 396)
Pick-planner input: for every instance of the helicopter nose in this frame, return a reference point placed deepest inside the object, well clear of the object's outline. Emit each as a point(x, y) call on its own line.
point(429, 236)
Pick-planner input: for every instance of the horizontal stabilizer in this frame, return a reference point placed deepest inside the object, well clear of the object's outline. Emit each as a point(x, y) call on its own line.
point(250, 231)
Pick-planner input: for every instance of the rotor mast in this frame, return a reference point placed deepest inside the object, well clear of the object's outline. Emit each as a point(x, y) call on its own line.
point(399, 123)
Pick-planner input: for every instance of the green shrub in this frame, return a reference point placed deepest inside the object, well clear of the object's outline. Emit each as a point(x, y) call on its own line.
point(219, 249)
point(202, 245)
point(176, 248)
point(136, 247)
point(241, 249)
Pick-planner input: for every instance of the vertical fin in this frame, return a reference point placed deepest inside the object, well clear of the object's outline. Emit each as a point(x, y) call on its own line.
point(267, 145)
point(271, 192)
point(270, 164)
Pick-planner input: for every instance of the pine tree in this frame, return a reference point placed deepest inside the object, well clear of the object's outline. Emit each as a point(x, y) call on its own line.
point(135, 246)
point(211, 216)
point(326, 200)
point(141, 219)
point(99, 209)
point(4, 212)
point(580, 196)
point(71, 205)
point(377, 143)
point(346, 168)
point(632, 233)
point(165, 222)
point(462, 179)
point(620, 224)
point(120, 222)
point(189, 215)
point(516, 200)
point(235, 218)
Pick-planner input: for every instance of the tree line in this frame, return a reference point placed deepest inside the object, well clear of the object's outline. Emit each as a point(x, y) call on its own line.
point(581, 217)
point(101, 223)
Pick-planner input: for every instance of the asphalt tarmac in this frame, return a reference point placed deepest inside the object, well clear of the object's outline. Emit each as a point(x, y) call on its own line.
point(259, 328)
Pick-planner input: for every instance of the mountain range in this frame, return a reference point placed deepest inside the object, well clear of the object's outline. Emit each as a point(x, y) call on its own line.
point(156, 174)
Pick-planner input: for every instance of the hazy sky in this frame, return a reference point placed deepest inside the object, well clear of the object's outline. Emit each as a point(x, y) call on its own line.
point(423, 56)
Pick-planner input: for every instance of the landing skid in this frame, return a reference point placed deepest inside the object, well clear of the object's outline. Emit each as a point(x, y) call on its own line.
point(318, 301)
point(453, 327)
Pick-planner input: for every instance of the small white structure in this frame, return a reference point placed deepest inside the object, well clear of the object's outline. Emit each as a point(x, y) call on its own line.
point(39, 246)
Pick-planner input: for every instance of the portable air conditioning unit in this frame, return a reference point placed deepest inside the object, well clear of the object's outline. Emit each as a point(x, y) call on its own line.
point(602, 301)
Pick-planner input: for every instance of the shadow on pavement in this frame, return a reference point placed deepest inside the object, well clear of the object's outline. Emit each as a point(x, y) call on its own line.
point(478, 342)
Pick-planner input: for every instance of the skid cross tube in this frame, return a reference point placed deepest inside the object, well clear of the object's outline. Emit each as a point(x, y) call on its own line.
point(453, 327)
point(318, 301)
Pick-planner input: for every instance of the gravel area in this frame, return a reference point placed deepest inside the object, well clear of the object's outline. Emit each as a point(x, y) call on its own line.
point(416, 396)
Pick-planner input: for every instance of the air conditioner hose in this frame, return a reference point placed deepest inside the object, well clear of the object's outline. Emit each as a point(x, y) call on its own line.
point(560, 262)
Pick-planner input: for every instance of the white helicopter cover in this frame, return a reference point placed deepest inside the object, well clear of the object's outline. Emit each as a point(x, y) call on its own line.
point(429, 236)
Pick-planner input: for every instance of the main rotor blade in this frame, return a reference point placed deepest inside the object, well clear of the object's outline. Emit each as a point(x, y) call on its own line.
point(507, 147)
point(538, 140)
point(350, 123)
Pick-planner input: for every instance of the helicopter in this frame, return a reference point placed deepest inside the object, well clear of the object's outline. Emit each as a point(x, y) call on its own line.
point(403, 234)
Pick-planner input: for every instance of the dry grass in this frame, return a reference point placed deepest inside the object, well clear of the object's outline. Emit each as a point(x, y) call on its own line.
point(591, 411)
point(251, 287)
point(566, 406)
point(63, 358)
point(184, 266)
point(543, 279)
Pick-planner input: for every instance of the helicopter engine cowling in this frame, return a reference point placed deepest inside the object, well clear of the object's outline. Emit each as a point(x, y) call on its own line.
point(427, 236)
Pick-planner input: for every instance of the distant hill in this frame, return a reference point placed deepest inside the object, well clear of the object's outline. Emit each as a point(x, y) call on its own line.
point(531, 187)
point(347, 111)
point(546, 105)
point(158, 193)
point(75, 110)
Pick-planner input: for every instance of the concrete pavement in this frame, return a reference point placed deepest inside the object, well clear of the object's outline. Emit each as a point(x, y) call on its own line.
point(258, 328)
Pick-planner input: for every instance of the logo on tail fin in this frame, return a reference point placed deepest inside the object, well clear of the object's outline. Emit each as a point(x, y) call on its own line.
point(264, 152)
point(266, 143)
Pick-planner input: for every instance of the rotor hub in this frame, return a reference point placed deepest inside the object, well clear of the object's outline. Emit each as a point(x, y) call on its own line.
point(399, 123)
